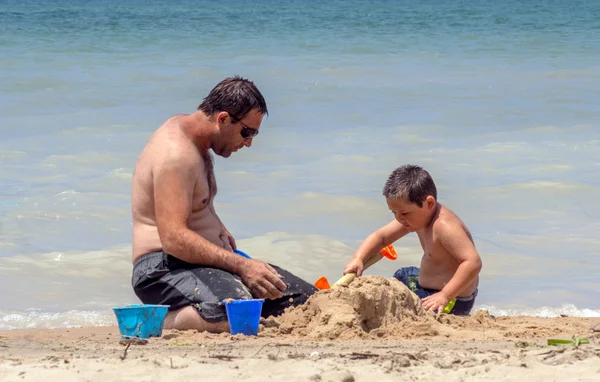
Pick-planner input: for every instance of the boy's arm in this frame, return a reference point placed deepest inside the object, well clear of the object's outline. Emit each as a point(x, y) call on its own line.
point(384, 236)
point(456, 241)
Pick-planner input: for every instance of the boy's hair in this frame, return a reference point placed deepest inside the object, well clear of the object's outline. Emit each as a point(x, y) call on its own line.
point(235, 95)
point(410, 182)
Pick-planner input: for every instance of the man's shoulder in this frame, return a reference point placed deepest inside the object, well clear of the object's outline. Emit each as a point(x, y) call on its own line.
point(169, 143)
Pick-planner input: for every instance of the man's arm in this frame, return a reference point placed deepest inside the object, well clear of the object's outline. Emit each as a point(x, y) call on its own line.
point(174, 181)
point(456, 241)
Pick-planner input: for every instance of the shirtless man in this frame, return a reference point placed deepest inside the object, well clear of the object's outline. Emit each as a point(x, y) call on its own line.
point(449, 273)
point(182, 253)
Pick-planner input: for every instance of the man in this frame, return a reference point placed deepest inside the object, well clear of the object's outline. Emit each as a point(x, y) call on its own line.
point(182, 253)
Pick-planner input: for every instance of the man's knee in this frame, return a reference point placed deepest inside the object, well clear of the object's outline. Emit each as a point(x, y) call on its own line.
point(188, 318)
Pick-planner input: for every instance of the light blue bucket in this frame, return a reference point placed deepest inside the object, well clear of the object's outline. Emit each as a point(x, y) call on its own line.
point(141, 320)
point(244, 316)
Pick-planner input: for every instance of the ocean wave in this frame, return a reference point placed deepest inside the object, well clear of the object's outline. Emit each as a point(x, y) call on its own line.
point(544, 311)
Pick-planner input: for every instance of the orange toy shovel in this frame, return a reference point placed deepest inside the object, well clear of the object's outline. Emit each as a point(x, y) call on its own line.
point(388, 252)
point(322, 283)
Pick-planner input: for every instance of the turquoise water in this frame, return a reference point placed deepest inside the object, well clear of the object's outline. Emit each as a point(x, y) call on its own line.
point(497, 100)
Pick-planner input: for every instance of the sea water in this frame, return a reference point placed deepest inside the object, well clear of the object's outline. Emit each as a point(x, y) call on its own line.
point(497, 100)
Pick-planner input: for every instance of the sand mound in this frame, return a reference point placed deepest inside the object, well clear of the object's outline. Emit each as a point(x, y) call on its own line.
point(370, 306)
point(481, 320)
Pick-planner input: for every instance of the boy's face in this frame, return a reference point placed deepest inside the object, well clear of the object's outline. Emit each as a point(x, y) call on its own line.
point(410, 215)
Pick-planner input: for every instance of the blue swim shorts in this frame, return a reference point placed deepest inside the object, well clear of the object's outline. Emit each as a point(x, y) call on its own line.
point(409, 276)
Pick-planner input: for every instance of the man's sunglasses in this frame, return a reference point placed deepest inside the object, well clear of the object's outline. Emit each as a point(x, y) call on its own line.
point(247, 132)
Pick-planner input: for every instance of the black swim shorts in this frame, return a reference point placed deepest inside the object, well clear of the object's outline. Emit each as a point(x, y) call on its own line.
point(159, 278)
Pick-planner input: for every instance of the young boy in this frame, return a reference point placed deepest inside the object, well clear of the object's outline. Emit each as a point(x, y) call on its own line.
point(450, 265)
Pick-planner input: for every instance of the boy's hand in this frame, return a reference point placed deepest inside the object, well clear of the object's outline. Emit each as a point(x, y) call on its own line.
point(436, 302)
point(354, 266)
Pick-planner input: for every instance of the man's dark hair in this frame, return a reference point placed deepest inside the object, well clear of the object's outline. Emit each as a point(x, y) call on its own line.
point(410, 182)
point(235, 95)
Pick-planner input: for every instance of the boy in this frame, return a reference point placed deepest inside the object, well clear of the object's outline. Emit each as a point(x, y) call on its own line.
point(450, 265)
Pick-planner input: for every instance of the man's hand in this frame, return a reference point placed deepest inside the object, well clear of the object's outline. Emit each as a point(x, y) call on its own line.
point(262, 279)
point(354, 266)
point(436, 302)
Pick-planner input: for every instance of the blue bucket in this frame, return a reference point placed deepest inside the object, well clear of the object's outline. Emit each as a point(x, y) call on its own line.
point(141, 320)
point(244, 316)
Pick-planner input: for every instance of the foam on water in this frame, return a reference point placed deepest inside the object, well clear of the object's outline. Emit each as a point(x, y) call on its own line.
point(30, 319)
point(545, 311)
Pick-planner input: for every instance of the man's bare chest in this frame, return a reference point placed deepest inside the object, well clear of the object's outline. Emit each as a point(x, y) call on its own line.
point(205, 187)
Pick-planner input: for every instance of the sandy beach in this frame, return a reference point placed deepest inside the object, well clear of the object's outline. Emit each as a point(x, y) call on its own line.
point(388, 337)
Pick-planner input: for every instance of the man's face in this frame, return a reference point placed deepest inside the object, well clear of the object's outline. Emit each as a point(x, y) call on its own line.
point(239, 134)
point(410, 215)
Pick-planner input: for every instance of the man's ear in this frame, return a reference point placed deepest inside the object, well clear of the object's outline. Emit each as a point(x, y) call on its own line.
point(430, 202)
point(222, 117)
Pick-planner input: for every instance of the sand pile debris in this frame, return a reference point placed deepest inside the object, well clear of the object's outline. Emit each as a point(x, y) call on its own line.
point(369, 306)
